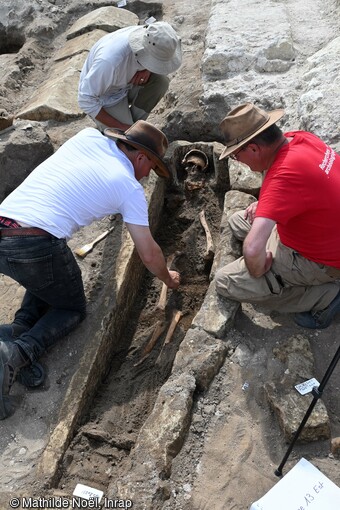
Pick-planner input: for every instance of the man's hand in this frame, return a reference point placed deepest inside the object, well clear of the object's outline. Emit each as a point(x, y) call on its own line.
point(175, 280)
point(249, 213)
point(140, 78)
point(269, 261)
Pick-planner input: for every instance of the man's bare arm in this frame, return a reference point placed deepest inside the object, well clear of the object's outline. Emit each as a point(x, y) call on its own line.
point(109, 121)
point(258, 260)
point(152, 256)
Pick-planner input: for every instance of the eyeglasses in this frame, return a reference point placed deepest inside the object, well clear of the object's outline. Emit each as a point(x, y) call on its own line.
point(234, 155)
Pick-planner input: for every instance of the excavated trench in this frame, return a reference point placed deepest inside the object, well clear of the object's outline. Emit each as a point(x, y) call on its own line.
point(143, 356)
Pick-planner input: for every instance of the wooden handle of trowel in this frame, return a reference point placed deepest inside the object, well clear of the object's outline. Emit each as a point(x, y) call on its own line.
point(84, 250)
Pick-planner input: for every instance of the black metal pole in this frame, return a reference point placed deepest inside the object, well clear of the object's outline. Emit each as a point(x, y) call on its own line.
point(317, 393)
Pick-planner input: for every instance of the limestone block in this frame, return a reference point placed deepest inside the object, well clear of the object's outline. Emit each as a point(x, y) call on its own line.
point(201, 355)
point(229, 248)
point(298, 358)
point(216, 314)
point(278, 56)
point(21, 150)
point(56, 99)
point(290, 407)
point(165, 429)
point(318, 105)
point(154, 189)
point(79, 44)
point(235, 201)
point(105, 18)
point(243, 179)
point(238, 48)
point(159, 441)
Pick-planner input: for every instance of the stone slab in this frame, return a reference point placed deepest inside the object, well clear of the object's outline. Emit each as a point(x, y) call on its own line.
point(22, 148)
point(105, 18)
point(201, 355)
point(316, 106)
point(290, 408)
point(237, 50)
point(56, 99)
point(229, 248)
point(159, 441)
point(243, 179)
point(216, 314)
point(79, 44)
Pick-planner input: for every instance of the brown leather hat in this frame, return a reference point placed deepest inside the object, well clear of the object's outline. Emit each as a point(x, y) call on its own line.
point(148, 139)
point(243, 123)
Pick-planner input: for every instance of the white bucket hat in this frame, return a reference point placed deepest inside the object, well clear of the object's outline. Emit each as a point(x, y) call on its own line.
point(157, 47)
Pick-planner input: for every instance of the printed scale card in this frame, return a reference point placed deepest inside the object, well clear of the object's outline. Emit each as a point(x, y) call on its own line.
point(303, 488)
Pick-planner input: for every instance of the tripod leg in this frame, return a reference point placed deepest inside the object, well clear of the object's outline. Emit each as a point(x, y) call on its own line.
point(317, 393)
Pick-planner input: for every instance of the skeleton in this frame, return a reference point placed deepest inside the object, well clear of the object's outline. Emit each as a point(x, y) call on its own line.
point(195, 163)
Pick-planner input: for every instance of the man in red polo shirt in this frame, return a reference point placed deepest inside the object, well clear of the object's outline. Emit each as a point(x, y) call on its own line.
point(291, 249)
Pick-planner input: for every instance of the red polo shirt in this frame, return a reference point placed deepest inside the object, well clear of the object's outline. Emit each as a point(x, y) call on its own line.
point(301, 192)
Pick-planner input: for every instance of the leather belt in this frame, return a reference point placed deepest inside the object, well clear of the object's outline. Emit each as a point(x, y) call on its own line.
point(30, 231)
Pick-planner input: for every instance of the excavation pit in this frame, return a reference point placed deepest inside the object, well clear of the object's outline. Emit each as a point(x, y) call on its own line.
point(130, 395)
point(137, 348)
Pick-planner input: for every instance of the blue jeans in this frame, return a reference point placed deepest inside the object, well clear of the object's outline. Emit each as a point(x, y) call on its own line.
point(54, 302)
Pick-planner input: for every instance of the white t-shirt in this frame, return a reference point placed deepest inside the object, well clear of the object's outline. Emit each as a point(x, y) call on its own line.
point(107, 72)
point(86, 179)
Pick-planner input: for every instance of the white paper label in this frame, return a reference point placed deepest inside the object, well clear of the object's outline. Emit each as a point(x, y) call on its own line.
point(307, 386)
point(85, 492)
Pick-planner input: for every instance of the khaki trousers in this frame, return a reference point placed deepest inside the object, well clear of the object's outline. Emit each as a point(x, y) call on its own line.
point(293, 284)
point(140, 101)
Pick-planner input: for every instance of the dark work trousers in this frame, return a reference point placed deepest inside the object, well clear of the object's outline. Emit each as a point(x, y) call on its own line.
point(54, 302)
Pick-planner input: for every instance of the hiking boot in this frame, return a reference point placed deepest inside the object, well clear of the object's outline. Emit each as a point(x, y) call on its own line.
point(32, 375)
point(320, 319)
point(11, 361)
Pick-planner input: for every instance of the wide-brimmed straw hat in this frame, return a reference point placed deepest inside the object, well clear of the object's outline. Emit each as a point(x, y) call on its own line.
point(157, 47)
point(148, 139)
point(244, 123)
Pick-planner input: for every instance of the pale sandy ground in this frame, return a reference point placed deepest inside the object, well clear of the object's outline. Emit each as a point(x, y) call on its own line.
point(234, 443)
